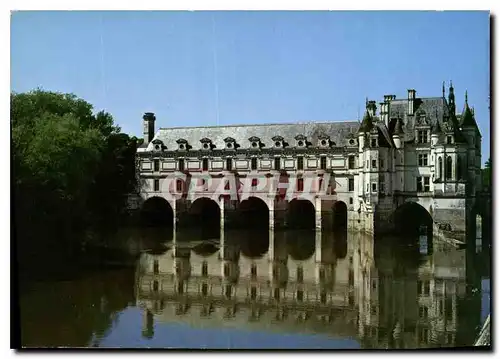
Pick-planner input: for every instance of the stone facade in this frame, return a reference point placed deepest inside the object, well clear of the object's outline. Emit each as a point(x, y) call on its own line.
point(417, 150)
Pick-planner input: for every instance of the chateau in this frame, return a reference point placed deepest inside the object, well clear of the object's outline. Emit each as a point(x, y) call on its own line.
point(416, 158)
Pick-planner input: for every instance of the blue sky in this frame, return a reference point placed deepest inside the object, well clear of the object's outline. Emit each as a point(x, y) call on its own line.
point(208, 68)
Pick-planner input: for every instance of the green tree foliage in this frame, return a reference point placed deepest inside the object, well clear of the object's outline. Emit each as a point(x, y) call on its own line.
point(71, 167)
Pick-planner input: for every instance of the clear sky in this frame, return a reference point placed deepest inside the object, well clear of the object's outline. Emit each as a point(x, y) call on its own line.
point(208, 68)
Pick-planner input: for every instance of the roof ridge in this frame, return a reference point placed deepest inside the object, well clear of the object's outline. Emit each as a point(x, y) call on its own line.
point(261, 124)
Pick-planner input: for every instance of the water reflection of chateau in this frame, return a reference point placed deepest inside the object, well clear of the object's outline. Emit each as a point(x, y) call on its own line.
point(305, 282)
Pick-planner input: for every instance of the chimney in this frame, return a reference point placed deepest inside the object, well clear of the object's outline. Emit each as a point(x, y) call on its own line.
point(149, 126)
point(372, 108)
point(411, 102)
point(384, 108)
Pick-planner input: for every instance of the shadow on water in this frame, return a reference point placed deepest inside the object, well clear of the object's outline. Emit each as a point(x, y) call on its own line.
point(350, 290)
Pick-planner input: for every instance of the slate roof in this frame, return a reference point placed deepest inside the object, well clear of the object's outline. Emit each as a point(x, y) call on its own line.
point(339, 133)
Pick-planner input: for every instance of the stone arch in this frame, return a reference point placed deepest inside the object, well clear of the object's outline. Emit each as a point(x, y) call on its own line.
point(254, 244)
point(412, 221)
point(253, 213)
point(339, 216)
point(157, 212)
point(301, 214)
point(204, 213)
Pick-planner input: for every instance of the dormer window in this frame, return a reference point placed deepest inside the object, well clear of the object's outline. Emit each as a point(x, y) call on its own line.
point(324, 141)
point(157, 145)
point(278, 141)
point(183, 144)
point(373, 142)
point(254, 142)
point(230, 143)
point(301, 141)
point(206, 144)
point(449, 139)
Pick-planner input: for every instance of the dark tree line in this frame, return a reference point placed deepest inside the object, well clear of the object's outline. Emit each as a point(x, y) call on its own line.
point(72, 170)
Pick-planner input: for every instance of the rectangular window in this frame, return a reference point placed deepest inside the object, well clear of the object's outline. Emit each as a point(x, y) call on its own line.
point(381, 186)
point(374, 142)
point(322, 297)
point(156, 185)
point(156, 266)
point(229, 289)
point(423, 159)
point(351, 162)
point(323, 163)
point(300, 296)
point(204, 289)
point(155, 286)
point(449, 140)
point(254, 163)
point(300, 184)
point(374, 163)
point(180, 288)
point(423, 312)
point(422, 136)
point(156, 165)
point(300, 163)
point(351, 201)
point(178, 185)
point(181, 164)
point(374, 187)
point(300, 275)
point(254, 182)
point(351, 184)
point(229, 164)
point(253, 271)
point(426, 287)
point(226, 270)
point(381, 163)
point(277, 163)
point(205, 164)
point(277, 293)
point(204, 269)
point(253, 292)
point(423, 184)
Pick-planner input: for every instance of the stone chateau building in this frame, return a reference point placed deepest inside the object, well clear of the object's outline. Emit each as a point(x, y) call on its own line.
point(412, 158)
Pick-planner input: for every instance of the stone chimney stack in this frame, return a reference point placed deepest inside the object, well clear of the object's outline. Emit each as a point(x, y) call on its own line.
point(384, 108)
point(149, 126)
point(411, 101)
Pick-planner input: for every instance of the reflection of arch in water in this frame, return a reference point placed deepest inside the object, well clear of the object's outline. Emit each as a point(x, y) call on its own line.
point(254, 244)
point(205, 213)
point(340, 216)
point(253, 213)
point(301, 214)
point(301, 245)
point(340, 244)
point(156, 211)
point(205, 249)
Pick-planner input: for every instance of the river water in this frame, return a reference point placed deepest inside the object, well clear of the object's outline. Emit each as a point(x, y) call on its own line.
point(265, 290)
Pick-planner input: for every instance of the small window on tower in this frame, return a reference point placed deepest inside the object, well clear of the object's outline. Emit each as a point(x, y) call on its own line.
point(277, 163)
point(205, 164)
point(229, 164)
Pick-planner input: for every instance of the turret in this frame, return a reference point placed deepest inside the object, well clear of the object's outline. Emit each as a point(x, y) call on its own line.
point(451, 99)
point(435, 132)
point(365, 127)
point(398, 134)
point(148, 126)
